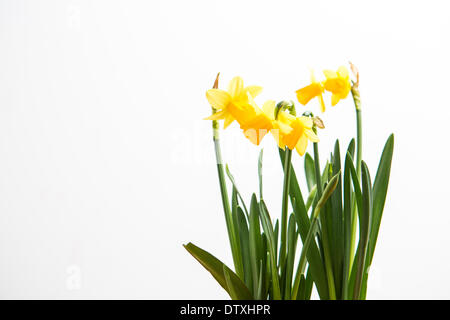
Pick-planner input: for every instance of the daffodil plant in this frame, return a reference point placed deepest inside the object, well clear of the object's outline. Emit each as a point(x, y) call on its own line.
point(337, 222)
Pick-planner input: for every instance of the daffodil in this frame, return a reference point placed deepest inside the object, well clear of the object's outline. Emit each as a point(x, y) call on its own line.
point(235, 104)
point(338, 83)
point(260, 124)
point(299, 134)
point(315, 89)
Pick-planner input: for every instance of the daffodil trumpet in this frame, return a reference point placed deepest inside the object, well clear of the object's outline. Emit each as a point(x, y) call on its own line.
point(341, 199)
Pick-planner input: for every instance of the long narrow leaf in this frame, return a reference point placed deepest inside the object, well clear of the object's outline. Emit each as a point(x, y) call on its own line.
point(216, 268)
point(255, 242)
point(365, 218)
point(347, 226)
point(309, 172)
point(268, 230)
point(380, 187)
point(303, 224)
point(233, 182)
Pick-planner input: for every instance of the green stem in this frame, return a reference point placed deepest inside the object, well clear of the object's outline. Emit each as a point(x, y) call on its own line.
point(326, 249)
point(357, 101)
point(235, 247)
point(284, 207)
point(317, 167)
point(302, 262)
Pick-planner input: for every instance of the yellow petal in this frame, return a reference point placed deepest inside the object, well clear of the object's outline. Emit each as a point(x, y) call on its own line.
point(242, 113)
point(276, 133)
point(228, 120)
point(322, 103)
point(217, 116)
point(304, 95)
point(329, 74)
point(217, 98)
point(269, 109)
point(283, 128)
point(312, 77)
point(301, 145)
point(343, 72)
point(311, 135)
point(255, 135)
point(306, 122)
point(251, 135)
point(236, 86)
point(334, 99)
point(253, 90)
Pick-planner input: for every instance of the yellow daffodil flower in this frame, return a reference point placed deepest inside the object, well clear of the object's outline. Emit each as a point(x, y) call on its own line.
point(235, 104)
point(315, 89)
point(262, 122)
point(301, 131)
point(338, 83)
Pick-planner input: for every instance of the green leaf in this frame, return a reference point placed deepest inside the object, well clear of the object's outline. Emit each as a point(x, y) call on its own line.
point(292, 245)
point(365, 218)
point(231, 289)
point(380, 187)
point(311, 197)
point(305, 289)
point(255, 242)
point(351, 148)
point(276, 232)
point(356, 186)
point(264, 271)
point(312, 231)
point(347, 225)
point(230, 176)
point(336, 216)
point(260, 159)
point(245, 247)
point(259, 294)
point(217, 268)
point(268, 230)
point(309, 172)
point(303, 224)
point(235, 218)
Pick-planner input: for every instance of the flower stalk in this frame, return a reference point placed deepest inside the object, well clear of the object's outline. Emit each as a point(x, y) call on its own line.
point(232, 236)
point(357, 101)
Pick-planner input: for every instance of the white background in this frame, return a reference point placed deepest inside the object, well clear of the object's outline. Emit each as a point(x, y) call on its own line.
point(107, 168)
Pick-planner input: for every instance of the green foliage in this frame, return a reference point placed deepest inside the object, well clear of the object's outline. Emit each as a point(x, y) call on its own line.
point(323, 224)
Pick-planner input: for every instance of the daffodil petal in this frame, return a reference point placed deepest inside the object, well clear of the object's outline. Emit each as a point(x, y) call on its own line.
point(322, 103)
point(306, 122)
point(343, 72)
point(253, 90)
point(334, 99)
point(236, 86)
point(304, 95)
point(301, 145)
point(217, 98)
point(217, 116)
point(311, 135)
point(276, 133)
point(312, 76)
point(285, 117)
point(283, 128)
point(269, 109)
point(329, 74)
point(228, 120)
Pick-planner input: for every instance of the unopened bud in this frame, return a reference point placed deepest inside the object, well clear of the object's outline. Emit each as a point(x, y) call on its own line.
point(216, 82)
point(318, 123)
point(285, 105)
point(331, 186)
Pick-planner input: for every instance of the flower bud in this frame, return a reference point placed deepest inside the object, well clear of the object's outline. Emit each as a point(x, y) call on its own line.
point(285, 105)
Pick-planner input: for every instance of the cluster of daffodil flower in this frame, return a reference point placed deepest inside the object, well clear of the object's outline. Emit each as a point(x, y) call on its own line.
point(333, 258)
